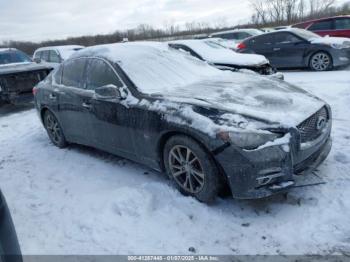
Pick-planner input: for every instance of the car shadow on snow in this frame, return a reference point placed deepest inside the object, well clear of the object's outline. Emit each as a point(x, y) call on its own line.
point(256, 206)
point(8, 109)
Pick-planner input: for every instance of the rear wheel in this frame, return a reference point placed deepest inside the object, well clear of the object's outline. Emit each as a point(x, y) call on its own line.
point(321, 61)
point(54, 130)
point(191, 168)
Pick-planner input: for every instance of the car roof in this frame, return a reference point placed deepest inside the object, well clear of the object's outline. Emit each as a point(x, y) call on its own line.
point(62, 47)
point(235, 31)
point(322, 19)
point(7, 49)
point(117, 52)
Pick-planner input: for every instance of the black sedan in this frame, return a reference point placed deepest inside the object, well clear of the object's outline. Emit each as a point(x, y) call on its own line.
point(298, 48)
point(204, 127)
point(9, 247)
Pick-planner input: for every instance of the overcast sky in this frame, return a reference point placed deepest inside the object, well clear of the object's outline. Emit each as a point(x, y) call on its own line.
point(36, 20)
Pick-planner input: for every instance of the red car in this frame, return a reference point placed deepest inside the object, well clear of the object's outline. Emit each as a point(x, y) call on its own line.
point(338, 26)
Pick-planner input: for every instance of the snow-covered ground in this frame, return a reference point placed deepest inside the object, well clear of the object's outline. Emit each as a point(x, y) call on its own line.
point(82, 201)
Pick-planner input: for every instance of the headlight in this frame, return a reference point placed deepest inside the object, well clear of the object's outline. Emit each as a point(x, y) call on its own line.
point(337, 46)
point(249, 140)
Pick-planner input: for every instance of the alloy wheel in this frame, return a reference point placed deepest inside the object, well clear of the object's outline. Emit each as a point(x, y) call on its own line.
point(320, 62)
point(53, 128)
point(186, 169)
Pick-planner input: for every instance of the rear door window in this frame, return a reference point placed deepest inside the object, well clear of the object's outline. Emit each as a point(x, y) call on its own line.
point(99, 73)
point(285, 38)
point(342, 24)
point(243, 35)
point(262, 40)
point(323, 25)
point(73, 72)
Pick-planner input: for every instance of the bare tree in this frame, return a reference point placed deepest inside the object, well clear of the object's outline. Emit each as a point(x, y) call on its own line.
point(289, 11)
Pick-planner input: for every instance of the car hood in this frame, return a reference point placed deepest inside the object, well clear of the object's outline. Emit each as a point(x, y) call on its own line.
point(259, 97)
point(331, 40)
point(22, 67)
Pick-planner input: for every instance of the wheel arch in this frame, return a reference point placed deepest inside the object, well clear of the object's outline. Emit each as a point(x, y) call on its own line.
point(308, 61)
point(166, 136)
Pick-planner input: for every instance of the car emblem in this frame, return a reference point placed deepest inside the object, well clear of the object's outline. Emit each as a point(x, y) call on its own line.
point(321, 122)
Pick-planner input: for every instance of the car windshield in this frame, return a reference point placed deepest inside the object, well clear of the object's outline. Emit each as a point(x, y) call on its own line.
point(306, 34)
point(13, 56)
point(156, 68)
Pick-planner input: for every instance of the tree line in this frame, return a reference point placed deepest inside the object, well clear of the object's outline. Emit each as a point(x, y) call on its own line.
point(269, 13)
point(266, 13)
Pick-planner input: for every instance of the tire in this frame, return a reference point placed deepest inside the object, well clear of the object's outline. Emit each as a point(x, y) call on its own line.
point(54, 130)
point(191, 168)
point(321, 61)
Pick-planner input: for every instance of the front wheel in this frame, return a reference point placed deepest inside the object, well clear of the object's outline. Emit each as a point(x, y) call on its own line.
point(191, 168)
point(321, 61)
point(54, 130)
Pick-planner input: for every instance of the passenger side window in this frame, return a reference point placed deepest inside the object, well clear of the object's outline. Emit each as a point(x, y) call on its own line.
point(285, 38)
point(323, 25)
point(99, 73)
point(342, 24)
point(38, 55)
point(54, 57)
point(73, 72)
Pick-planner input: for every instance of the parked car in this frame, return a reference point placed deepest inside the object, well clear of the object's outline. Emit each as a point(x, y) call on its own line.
point(18, 75)
point(9, 246)
point(56, 54)
point(236, 36)
point(223, 58)
point(298, 48)
point(338, 26)
point(204, 127)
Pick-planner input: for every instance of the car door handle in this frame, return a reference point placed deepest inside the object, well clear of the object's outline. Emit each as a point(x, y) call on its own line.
point(87, 105)
point(53, 97)
point(277, 49)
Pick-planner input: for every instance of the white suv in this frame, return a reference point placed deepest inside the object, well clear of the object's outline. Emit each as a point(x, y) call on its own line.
point(56, 54)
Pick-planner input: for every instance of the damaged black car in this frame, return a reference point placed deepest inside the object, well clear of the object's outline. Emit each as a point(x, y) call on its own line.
point(207, 129)
point(18, 75)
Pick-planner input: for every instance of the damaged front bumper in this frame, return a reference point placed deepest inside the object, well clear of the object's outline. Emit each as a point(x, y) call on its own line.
point(270, 170)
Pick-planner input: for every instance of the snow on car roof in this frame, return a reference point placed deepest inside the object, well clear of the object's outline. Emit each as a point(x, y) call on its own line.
point(65, 50)
point(6, 49)
point(153, 66)
point(249, 30)
point(62, 47)
point(212, 52)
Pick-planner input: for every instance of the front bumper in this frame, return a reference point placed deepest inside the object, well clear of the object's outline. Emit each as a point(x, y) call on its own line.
point(341, 57)
point(262, 173)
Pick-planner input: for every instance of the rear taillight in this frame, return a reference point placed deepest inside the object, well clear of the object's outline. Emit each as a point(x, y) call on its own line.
point(241, 46)
point(35, 90)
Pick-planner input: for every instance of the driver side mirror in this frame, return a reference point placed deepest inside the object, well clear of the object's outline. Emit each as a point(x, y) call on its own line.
point(109, 92)
point(37, 60)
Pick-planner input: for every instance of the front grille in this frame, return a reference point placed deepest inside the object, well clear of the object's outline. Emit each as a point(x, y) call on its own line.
point(308, 129)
